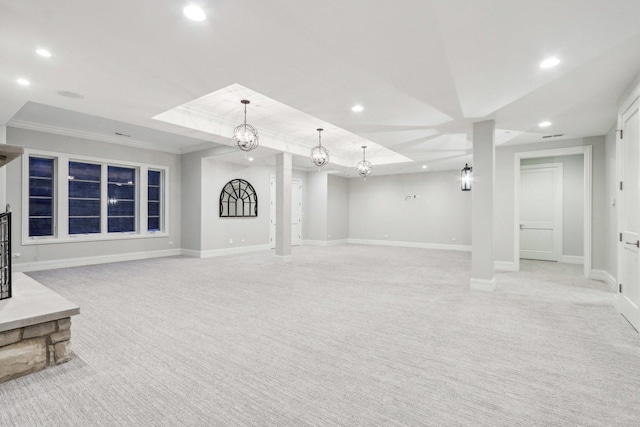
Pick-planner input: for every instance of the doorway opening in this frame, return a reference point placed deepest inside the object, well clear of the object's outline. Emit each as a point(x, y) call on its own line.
point(543, 239)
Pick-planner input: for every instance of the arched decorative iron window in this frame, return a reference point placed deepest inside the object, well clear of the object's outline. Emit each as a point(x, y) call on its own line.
point(238, 199)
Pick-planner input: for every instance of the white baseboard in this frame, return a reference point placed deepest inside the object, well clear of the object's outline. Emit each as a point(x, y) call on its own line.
point(325, 242)
point(102, 259)
point(604, 276)
point(421, 245)
point(505, 265)
point(572, 259)
point(226, 251)
point(483, 285)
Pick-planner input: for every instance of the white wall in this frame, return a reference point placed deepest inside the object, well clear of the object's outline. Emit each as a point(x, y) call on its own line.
point(32, 254)
point(216, 231)
point(383, 208)
point(504, 197)
point(572, 203)
point(337, 208)
point(202, 183)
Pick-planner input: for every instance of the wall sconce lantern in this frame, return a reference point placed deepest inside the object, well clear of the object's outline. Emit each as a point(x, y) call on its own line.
point(466, 176)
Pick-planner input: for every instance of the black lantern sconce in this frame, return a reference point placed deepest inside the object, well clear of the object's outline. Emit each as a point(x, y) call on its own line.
point(466, 176)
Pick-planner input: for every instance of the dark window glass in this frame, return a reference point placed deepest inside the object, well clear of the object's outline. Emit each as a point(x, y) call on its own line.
point(41, 172)
point(121, 224)
point(121, 199)
point(40, 226)
point(153, 205)
point(84, 198)
point(84, 225)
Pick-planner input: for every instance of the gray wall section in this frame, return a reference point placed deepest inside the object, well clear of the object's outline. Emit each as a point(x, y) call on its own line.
point(572, 203)
point(315, 219)
point(65, 144)
point(504, 203)
point(337, 208)
point(383, 208)
point(191, 205)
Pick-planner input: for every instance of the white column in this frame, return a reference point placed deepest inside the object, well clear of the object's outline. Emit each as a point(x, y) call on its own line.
point(284, 172)
point(3, 172)
point(482, 270)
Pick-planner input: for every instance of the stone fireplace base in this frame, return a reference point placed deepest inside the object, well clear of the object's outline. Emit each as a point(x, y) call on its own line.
point(35, 329)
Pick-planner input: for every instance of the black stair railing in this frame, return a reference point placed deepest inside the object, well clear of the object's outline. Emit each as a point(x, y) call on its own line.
point(5, 255)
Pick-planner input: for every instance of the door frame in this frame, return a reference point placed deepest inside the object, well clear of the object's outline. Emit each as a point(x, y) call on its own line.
point(624, 107)
point(586, 152)
point(558, 208)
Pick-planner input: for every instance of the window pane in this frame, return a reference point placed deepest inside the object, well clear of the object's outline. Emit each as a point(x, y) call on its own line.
point(154, 193)
point(83, 207)
point(41, 187)
point(154, 208)
point(121, 208)
point(154, 178)
point(122, 175)
point(122, 191)
point(121, 224)
point(40, 167)
point(154, 224)
point(121, 199)
point(84, 171)
point(40, 227)
point(84, 225)
point(84, 189)
point(40, 207)
point(84, 198)
point(41, 193)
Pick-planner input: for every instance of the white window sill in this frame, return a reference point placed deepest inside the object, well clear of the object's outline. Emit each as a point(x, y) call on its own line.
point(91, 238)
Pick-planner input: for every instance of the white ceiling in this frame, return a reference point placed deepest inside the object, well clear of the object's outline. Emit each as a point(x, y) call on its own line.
point(423, 70)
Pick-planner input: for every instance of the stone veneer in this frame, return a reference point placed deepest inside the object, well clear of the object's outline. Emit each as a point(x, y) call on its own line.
point(33, 348)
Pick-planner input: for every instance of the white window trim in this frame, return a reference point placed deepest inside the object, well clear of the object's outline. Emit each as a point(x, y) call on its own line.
point(61, 200)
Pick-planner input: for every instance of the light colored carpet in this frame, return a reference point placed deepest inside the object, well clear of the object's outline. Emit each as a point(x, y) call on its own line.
point(346, 335)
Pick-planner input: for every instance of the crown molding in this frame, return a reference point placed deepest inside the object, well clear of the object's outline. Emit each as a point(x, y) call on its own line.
point(58, 130)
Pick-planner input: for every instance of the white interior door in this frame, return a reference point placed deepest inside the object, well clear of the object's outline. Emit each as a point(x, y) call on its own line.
point(296, 212)
point(629, 217)
point(541, 211)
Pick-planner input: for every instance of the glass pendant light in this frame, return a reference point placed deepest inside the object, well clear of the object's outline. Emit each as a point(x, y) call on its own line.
point(245, 135)
point(319, 154)
point(364, 167)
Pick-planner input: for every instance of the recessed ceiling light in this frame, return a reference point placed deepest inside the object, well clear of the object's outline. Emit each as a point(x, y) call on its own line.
point(44, 53)
point(250, 159)
point(544, 124)
point(424, 166)
point(357, 108)
point(549, 63)
point(23, 82)
point(194, 12)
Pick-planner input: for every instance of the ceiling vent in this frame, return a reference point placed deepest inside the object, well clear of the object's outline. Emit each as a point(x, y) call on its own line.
point(122, 134)
point(553, 136)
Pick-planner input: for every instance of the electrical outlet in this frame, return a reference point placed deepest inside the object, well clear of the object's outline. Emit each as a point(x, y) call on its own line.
point(171, 243)
point(453, 239)
point(241, 240)
point(231, 241)
point(386, 236)
point(16, 254)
